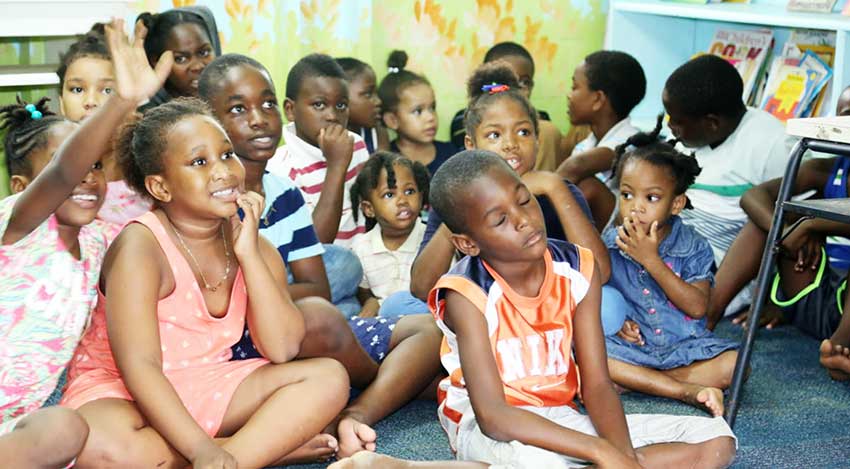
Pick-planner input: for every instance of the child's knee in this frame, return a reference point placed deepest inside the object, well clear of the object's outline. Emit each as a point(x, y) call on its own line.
point(326, 328)
point(718, 452)
point(61, 434)
point(332, 376)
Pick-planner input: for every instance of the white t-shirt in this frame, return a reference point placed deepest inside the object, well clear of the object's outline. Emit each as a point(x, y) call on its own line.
point(615, 137)
point(306, 166)
point(755, 152)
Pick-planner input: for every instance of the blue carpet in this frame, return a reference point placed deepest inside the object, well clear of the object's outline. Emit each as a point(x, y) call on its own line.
point(792, 415)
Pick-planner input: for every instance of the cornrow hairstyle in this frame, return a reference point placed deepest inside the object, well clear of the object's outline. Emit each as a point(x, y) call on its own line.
point(397, 80)
point(311, 66)
point(619, 76)
point(212, 77)
point(92, 44)
point(450, 184)
point(25, 134)
point(480, 99)
point(507, 49)
point(159, 26)
point(352, 67)
point(706, 85)
point(367, 178)
point(649, 147)
point(142, 141)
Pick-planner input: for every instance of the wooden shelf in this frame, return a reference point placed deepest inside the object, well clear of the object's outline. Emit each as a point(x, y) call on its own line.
point(28, 75)
point(835, 129)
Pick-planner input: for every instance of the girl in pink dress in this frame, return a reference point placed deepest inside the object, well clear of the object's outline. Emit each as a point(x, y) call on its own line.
point(152, 376)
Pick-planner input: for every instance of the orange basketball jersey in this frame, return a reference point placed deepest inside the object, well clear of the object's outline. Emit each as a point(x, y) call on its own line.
point(530, 338)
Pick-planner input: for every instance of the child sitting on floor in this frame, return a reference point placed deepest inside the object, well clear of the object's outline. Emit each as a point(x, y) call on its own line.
point(392, 360)
point(606, 87)
point(391, 191)
point(86, 80)
point(322, 157)
point(51, 254)
point(499, 118)
point(662, 270)
point(410, 109)
point(364, 104)
point(809, 286)
point(520, 315)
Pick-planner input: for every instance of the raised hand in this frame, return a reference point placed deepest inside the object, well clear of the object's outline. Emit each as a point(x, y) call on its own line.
point(337, 145)
point(636, 243)
point(135, 80)
point(246, 231)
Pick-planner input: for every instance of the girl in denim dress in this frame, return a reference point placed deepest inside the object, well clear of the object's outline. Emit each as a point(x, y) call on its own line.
point(661, 270)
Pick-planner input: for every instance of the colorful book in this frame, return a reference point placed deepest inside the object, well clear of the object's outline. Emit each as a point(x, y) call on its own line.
point(747, 50)
point(792, 85)
point(813, 62)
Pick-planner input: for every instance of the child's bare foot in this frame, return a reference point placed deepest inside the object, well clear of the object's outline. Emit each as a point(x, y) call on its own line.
point(368, 460)
point(707, 398)
point(836, 359)
point(320, 448)
point(355, 436)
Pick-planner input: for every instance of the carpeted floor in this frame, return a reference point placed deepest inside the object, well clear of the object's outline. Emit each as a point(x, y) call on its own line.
point(792, 414)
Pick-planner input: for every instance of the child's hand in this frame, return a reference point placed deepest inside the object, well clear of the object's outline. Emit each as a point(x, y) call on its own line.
point(245, 231)
point(630, 332)
point(337, 145)
point(370, 308)
point(135, 80)
point(804, 245)
point(542, 182)
point(637, 244)
point(214, 457)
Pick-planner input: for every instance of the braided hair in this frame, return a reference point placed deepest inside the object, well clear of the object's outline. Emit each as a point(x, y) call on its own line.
point(487, 75)
point(653, 149)
point(25, 133)
point(367, 178)
point(397, 80)
point(142, 140)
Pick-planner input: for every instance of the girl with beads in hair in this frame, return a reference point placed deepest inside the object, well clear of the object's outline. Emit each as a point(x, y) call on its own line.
point(51, 253)
point(661, 279)
point(153, 375)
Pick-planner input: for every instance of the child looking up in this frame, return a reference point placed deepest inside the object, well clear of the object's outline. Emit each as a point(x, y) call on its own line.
point(809, 285)
point(86, 79)
point(392, 360)
point(663, 270)
point(518, 59)
point(607, 85)
point(51, 253)
point(364, 104)
point(410, 109)
point(190, 33)
point(501, 119)
point(520, 315)
point(322, 157)
point(391, 191)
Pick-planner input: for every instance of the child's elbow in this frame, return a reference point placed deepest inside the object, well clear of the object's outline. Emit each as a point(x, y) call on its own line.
point(493, 425)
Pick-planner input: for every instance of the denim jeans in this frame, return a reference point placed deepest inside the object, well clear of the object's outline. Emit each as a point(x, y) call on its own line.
point(344, 275)
point(402, 303)
point(613, 310)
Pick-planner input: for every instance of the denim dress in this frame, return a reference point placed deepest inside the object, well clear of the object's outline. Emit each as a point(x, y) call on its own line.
point(672, 338)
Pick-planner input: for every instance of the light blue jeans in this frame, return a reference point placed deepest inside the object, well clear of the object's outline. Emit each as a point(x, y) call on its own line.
point(613, 310)
point(344, 275)
point(402, 303)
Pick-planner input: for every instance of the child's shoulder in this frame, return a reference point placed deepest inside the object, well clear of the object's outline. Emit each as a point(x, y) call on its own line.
point(758, 126)
point(685, 240)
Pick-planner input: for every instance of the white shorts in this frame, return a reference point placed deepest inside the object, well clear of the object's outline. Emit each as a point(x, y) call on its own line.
point(644, 429)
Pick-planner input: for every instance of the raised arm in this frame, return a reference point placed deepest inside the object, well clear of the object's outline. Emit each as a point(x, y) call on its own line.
point(501, 421)
point(136, 81)
point(276, 325)
point(338, 147)
point(585, 164)
point(133, 274)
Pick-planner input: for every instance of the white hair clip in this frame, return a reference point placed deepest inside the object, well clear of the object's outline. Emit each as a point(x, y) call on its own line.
point(393, 69)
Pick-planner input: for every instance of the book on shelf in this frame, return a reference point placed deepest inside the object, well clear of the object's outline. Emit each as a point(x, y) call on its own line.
point(793, 85)
point(814, 6)
point(747, 50)
point(819, 42)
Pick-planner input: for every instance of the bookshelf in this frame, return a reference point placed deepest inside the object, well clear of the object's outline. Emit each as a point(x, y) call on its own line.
point(663, 35)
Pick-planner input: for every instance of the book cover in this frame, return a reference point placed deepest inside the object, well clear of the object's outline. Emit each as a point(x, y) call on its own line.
point(816, 6)
point(787, 87)
point(747, 50)
point(813, 63)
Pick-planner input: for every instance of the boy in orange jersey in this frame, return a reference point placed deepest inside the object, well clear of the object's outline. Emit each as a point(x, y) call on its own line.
point(520, 316)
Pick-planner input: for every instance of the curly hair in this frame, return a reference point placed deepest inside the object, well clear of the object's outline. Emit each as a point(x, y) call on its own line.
point(25, 134)
point(367, 179)
point(493, 73)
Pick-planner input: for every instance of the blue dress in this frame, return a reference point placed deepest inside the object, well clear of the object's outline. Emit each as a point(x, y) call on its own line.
point(672, 338)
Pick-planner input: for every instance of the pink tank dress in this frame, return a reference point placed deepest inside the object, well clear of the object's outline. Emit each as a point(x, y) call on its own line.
point(195, 346)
